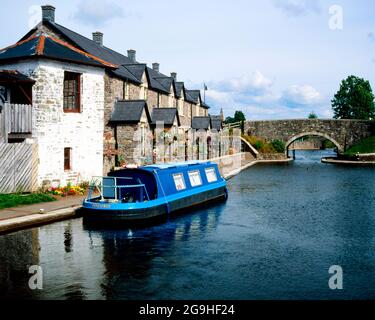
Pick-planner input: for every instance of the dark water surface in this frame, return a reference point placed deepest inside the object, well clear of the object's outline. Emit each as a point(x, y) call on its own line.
point(276, 237)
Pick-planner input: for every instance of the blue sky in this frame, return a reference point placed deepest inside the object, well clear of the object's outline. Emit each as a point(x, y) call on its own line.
point(273, 59)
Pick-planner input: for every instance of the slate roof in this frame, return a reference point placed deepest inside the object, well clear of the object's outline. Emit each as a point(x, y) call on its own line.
point(200, 123)
point(126, 68)
point(51, 48)
point(129, 111)
point(188, 97)
point(166, 115)
point(156, 81)
point(13, 76)
point(194, 95)
point(216, 123)
point(180, 86)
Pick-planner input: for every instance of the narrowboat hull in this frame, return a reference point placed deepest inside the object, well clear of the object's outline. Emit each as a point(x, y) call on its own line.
point(95, 212)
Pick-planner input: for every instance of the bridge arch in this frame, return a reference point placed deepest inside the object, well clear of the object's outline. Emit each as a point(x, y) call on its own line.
point(313, 133)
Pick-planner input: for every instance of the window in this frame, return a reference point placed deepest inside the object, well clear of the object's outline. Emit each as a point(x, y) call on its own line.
point(143, 140)
point(67, 159)
point(143, 93)
point(126, 91)
point(159, 99)
point(171, 100)
point(211, 175)
point(72, 92)
point(195, 178)
point(181, 107)
point(179, 181)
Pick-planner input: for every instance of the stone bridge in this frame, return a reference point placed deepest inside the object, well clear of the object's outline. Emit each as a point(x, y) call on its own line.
point(343, 133)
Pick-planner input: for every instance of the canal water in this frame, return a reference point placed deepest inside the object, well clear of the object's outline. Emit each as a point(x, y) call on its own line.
point(281, 230)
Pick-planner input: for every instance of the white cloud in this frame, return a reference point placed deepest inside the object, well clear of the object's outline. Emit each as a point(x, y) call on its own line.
point(254, 95)
point(298, 7)
point(301, 95)
point(98, 12)
point(256, 83)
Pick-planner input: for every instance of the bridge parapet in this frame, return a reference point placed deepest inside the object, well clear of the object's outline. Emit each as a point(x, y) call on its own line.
point(343, 133)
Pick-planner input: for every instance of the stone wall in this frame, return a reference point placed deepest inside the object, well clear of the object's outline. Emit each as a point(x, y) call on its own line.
point(152, 100)
point(134, 91)
point(55, 130)
point(344, 133)
point(129, 144)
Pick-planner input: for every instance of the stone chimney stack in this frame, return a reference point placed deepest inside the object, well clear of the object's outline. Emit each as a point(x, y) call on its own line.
point(132, 55)
point(222, 118)
point(98, 37)
point(156, 67)
point(174, 76)
point(48, 13)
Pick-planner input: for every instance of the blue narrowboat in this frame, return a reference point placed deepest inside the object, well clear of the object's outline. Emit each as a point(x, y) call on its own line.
point(150, 192)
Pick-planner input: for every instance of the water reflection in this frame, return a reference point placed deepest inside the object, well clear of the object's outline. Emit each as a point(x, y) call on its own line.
point(17, 253)
point(275, 238)
point(131, 257)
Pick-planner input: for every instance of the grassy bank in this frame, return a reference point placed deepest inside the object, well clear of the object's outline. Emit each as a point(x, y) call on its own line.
point(365, 146)
point(15, 200)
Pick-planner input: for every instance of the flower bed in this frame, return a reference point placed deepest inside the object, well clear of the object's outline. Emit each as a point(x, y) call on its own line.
point(68, 190)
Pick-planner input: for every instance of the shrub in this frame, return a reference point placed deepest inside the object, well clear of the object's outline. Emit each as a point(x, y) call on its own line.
point(263, 146)
point(278, 145)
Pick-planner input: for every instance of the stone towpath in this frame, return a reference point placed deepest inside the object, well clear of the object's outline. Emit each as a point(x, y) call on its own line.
point(27, 216)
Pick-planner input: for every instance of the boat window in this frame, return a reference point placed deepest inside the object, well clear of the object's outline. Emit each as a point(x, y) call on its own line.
point(195, 178)
point(211, 175)
point(179, 181)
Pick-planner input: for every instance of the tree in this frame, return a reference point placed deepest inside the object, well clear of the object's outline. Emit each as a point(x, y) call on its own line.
point(229, 120)
point(239, 116)
point(354, 100)
point(313, 115)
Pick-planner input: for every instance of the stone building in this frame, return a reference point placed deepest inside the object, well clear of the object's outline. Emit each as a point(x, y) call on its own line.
point(95, 108)
point(67, 102)
point(130, 81)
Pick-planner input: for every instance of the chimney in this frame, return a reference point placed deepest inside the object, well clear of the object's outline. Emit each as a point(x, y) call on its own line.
point(48, 13)
point(174, 76)
point(132, 55)
point(98, 37)
point(156, 66)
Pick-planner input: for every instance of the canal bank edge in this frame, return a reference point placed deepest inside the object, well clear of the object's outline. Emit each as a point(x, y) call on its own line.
point(255, 162)
point(35, 220)
point(347, 162)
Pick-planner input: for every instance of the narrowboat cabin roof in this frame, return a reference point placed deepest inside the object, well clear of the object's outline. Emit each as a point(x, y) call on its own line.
point(177, 165)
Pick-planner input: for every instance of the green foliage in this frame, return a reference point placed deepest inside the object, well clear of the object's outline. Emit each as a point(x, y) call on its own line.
point(327, 144)
point(238, 117)
point(354, 100)
point(229, 120)
point(279, 146)
point(365, 146)
point(313, 116)
point(264, 146)
point(258, 145)
point(14, 200)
